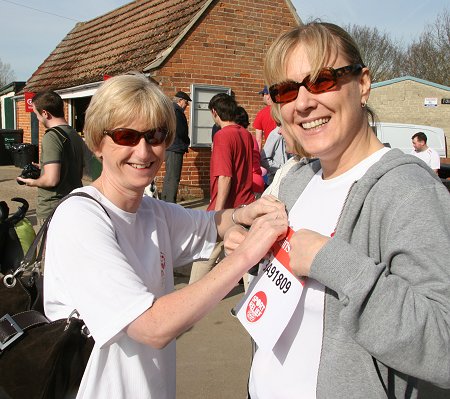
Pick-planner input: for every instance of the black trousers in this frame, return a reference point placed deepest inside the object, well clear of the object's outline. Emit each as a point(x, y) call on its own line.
point(174, 163)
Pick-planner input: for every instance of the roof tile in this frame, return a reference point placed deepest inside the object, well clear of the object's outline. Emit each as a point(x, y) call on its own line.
point(128, 38)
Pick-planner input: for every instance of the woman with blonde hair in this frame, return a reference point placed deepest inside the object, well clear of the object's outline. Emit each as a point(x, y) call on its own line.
point(371, 240)
point(116, 267)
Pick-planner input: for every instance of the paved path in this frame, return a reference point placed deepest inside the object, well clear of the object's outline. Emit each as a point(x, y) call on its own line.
point(213, 358)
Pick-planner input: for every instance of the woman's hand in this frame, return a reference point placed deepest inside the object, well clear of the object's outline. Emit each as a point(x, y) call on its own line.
point(233, 238)
point(305, 244)
point(263, 233)
point(246, 215)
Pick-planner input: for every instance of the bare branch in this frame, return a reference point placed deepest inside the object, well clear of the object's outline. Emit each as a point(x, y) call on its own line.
point(428, 57)
point(380, 53)
point(6, 74)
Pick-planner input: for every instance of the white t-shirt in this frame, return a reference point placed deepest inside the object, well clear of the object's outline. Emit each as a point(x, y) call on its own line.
point(291, 369)
point(112, 269)
point(430, 157)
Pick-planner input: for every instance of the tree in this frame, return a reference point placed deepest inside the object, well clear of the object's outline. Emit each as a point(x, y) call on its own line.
point(6, 74)
point(381, 54)
point(428, 57)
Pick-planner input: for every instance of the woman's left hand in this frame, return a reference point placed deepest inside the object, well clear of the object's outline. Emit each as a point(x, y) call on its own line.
point(305, 244)
point(262, 206)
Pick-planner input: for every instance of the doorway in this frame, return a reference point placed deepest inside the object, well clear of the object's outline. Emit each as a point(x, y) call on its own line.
point(79, 106)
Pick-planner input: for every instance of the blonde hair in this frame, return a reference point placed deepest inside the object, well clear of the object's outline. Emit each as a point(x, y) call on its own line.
point(322, 41)
point(123, 99)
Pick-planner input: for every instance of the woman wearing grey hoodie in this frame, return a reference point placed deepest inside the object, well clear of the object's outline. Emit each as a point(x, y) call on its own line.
point(372, 238)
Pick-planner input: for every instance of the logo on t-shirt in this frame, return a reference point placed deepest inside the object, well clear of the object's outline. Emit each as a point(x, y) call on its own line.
point(162, 259)
point(256, 306)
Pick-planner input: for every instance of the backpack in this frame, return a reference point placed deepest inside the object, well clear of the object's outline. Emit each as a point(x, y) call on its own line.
point(16, 235)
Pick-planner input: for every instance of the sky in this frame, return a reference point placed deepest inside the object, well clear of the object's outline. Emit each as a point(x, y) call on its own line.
point(31, 29)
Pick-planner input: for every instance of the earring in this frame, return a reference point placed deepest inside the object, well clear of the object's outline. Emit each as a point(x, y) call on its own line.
point(363, 104)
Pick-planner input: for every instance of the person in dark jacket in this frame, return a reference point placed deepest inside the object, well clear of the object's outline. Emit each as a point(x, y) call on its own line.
point(174, 154)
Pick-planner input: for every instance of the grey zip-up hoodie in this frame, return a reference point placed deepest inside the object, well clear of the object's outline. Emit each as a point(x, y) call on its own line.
point(387, 273)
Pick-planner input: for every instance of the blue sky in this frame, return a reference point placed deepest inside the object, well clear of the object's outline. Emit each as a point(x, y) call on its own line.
point(403, 19)
point(31, 29)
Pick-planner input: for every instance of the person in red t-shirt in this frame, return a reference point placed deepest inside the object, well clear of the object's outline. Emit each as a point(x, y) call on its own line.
point(264, 122)
point(258, 180)
point(231, 158)
point(231, 169)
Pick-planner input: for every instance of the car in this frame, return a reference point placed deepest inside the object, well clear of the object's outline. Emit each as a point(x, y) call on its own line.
point(398, 135)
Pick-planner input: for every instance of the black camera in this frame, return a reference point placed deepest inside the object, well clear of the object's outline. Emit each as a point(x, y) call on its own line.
point(30, 172)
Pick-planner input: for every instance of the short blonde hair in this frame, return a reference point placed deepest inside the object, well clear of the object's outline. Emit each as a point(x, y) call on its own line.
point(123, 99)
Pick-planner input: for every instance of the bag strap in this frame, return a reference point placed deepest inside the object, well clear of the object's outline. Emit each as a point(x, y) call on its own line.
point(42, 234)
point(13, 327)
point(61, 132)
point(31, 262)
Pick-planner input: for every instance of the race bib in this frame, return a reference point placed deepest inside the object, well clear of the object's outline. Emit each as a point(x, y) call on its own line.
point(272, 297)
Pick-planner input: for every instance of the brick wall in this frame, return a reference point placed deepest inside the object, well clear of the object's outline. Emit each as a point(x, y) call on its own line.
point(225, 48)
point(195, 175)
point(23, 121)
point(403, 102)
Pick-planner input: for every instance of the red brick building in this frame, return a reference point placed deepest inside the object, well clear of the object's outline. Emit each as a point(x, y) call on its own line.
point(199, 46)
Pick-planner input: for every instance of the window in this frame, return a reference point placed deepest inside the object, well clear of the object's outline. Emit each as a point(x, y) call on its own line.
point(201, 121)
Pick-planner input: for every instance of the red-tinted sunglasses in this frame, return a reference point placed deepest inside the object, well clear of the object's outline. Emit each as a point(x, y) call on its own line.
point(131, 137)
point(327, 78)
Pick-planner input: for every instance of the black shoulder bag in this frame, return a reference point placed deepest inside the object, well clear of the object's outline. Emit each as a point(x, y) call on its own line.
point(38, 358)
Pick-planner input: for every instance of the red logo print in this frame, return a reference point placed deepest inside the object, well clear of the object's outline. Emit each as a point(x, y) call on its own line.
point(162, 258)
point(256, 307)
point(282, 248)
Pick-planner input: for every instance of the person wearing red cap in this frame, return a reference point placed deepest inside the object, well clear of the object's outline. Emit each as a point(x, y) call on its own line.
point(264, 122)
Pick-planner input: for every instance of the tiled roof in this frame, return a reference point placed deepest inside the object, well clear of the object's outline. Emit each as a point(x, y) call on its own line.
point(128, 38)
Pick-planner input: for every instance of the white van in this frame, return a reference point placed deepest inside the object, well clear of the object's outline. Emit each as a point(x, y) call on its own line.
point(398, 135)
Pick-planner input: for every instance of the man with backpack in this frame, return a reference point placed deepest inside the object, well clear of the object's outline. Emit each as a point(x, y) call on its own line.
point(61, 157)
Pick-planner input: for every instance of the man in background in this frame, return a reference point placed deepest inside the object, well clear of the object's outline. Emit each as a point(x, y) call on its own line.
point(264, 123)
point(61, 158)
point(231, 171)
point(274, 153)
point(425, 153)
point(175, 153)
